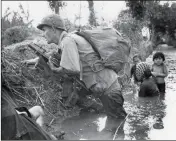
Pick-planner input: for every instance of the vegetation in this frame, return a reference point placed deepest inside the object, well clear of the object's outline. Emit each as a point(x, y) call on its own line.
point(15, 34)
point(56, 5)
point(15, 26)
point(160, 18)
point(92, 17)
point(31, 87)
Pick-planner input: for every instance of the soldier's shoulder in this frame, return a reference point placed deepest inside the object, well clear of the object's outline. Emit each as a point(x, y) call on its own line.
point(67, 38)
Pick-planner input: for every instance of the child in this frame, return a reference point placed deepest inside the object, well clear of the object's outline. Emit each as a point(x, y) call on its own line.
point(159, 70)
point(148, 86)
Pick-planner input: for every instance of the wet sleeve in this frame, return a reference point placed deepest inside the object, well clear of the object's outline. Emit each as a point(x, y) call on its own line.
point(142, 91)
point(70, 56)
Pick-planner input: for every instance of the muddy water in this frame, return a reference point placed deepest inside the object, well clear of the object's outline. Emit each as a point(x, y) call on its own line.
point(90, 126)
point(149, 118)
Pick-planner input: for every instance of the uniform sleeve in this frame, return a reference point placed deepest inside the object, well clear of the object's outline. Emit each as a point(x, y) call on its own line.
point(70, 56)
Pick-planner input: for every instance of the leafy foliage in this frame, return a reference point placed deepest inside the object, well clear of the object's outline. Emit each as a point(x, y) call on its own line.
point(92, 17)
point(129, 27)
point(137, 8)
point(56, 5)
point(17, 18)
point(161, 18)
point(15, 26)
point(15, 34)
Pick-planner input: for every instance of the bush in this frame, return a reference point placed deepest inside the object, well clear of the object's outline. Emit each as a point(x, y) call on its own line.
point(15, 34)
point(29, 86)
point(15, 26)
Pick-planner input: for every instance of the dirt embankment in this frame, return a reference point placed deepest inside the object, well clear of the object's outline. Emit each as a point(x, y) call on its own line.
point(30, 86)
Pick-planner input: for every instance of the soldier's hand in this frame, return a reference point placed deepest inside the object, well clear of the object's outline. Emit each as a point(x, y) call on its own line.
point(50, 63)
point(55, 59)
point(27, 63)
point(31, 62)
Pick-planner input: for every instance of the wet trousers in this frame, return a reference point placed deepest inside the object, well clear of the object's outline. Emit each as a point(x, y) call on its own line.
point(113, 105)
point(113, 100)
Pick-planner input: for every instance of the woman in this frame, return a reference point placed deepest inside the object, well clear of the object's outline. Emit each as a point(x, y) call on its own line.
point(148, 87)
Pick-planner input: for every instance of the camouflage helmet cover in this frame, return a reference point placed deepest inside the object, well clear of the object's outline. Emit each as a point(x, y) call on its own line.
point(52, 20)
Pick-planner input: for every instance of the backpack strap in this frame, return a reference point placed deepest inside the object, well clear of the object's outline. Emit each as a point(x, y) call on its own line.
point(81, 33)
point(93, 65)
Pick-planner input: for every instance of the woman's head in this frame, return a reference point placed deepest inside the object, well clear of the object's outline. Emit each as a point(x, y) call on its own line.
point(147, 73)
point(136, 59)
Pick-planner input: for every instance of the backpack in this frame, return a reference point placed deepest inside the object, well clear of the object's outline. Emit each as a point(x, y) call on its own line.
point(111, 47)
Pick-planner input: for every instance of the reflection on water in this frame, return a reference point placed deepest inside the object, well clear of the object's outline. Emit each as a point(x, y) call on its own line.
point(101, 123)
point(143, 113)
point(169, 121)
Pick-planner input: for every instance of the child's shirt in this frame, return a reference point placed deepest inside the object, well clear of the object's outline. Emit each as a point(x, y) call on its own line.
point(159, 69)
point(148, 88)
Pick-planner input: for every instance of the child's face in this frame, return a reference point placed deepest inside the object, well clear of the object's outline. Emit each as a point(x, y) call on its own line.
point(136, 60)
point(158, 61)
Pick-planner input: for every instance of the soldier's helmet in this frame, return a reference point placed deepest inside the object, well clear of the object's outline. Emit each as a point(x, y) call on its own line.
point(54, 21)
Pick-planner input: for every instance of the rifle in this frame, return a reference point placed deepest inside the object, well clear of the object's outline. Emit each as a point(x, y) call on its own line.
point(42, 53)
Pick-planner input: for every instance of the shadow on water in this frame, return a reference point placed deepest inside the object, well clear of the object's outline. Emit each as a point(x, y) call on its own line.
point(149, 118)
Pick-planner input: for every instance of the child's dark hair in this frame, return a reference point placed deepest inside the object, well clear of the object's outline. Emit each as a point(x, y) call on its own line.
point(147, 73)
point(158, 55)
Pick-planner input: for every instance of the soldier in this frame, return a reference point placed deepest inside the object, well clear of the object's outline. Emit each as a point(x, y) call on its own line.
point(19, 123)
point(77, 59)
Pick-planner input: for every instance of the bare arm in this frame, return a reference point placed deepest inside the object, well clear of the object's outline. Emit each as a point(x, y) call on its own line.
point(164, 74)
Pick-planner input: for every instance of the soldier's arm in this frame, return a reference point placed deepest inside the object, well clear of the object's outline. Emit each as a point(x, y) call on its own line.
point(70, 63)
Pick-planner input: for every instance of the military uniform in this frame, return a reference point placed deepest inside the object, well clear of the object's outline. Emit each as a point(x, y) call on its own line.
point(15, 126)
point(78, 55)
